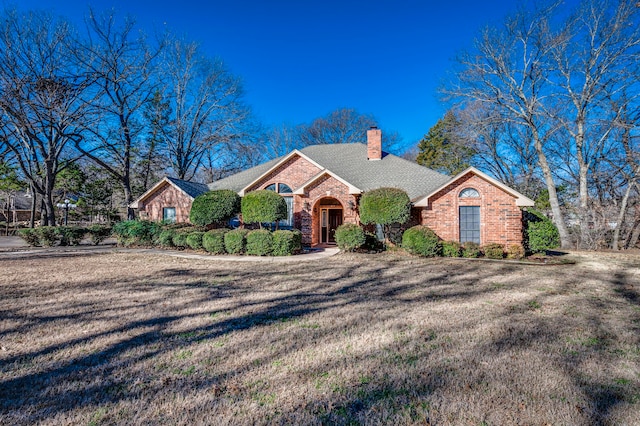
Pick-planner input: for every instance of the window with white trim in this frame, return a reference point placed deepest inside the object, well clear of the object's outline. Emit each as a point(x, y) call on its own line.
point(287, 193)
point(469, 193)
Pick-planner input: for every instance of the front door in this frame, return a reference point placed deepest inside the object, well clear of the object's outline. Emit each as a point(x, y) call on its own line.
point(335, 220)
point(330, 219)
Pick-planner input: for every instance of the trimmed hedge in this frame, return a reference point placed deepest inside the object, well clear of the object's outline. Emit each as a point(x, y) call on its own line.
point(235, 241)
point(194, 240)
point(136, 232)
point(471, 250)
point(47, 235)
point(451, 249)
point(214, 207)
point(213, 241)
point(350, 237)
point(30, 236)
point(421, 240)
point(165, 238)
point(179, 240)
point(259, 242)
point(286, 243)
point(263, 207)
point(385, 206)
point(493, 251)
point(98, 233)
point(70, 235)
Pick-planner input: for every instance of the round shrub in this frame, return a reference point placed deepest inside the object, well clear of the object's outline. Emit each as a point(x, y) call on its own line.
point(515, 251)
point(350, 237)
point(179, 240)
point(471, 250)
point(98, 233)
point(421, 240)
point(493, 251)
point(30, 236)
point(235, 241)
point(543, 234)
point(385, 206)
point(194, 240)
point(286, 243)
point(259, 242)
point(165, 238)
point(213, 241)
point(451, 249)
point(214, 207)
point(263, 207)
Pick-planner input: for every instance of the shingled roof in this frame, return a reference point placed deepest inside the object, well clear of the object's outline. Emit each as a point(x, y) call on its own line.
point(349, 162)
point(193, 189)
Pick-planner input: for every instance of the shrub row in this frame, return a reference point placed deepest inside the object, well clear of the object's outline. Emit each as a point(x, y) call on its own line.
point(49, 236)
point(259, 242)
point(421, 240)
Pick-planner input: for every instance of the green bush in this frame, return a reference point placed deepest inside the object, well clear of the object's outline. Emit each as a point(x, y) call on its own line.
point(259, 242)
point(98, 233)
point(493, 251)
point(385, 206)
point(471, 250)
point(286, 243)
point(47, 235)
point(30, 236)
point(542, 234)
point(140, 232)
point(451, 249)
point(194, 240)
point(214, 207)
point(350, 237)
point(421, 240)
point(165, 238)
point(515, 251)
point(235, 242)
point(179, 240)
point(263, 207)
point(70, 235)
point(213, 241)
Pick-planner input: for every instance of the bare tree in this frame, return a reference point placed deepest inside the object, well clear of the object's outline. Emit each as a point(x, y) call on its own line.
point(508, 73)
point(595, 63)
point(41, 97)
point(123, 64)
point(206, 110)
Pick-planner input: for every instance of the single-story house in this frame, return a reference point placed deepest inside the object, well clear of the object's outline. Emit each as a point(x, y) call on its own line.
point(323, 183)
point(17, 205)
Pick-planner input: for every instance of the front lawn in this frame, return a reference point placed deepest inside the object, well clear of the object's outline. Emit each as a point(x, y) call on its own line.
point(354, 339)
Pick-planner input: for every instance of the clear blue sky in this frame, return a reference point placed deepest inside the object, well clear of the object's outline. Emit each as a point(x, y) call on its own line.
point(301, 59)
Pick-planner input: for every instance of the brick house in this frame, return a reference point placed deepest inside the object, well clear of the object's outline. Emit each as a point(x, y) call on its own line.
point(323, 183)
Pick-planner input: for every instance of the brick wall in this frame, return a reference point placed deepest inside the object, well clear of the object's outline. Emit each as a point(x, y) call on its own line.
point(166, 195)
point(325, 187)
point(500, 218)
point(294, 172)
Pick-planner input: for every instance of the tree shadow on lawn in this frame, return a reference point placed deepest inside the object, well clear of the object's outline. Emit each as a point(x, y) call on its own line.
point(94, 378)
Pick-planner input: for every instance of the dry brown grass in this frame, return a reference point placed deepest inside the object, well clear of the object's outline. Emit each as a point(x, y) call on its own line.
point(355, 339)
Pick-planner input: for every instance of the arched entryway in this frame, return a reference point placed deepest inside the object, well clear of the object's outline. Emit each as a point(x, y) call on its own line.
point(329, 216)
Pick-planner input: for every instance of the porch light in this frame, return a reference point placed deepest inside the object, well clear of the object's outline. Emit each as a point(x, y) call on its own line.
point(351, 204)
point(307, 206)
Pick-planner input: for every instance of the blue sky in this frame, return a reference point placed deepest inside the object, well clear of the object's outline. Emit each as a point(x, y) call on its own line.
point(302, 59)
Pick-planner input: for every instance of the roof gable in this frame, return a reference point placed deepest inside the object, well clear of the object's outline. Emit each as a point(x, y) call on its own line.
point(521, 200)
point(352, 189)
point(190, 189)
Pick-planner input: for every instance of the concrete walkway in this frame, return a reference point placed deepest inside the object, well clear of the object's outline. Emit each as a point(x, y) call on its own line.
point(15, 247)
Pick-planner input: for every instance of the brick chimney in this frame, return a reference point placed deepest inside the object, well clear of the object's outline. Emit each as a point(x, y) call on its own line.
point(374, 144)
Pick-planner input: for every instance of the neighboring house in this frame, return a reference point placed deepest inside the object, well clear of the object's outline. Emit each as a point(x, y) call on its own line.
point(323, 183)
point(17, 205)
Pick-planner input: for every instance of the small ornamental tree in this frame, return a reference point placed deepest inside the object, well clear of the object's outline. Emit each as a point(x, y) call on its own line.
point(214, 207)
point(385, 206)
point(263, 207)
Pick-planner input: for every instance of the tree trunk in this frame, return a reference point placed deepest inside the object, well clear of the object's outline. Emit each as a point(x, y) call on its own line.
point(621, 214)
point(558, 219)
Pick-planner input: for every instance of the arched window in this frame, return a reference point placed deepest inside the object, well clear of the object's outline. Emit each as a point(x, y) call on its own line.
point(469, 193)
point(286, 191)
